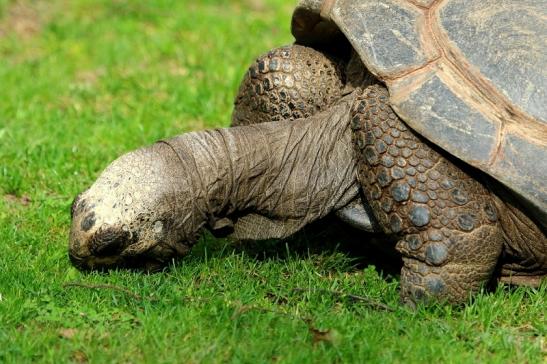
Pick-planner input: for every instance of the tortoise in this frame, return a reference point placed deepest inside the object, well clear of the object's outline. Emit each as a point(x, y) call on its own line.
point(424, 120)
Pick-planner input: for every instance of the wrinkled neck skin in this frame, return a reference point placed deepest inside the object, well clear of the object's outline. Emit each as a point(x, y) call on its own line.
point(269, 180)
point(256, 182)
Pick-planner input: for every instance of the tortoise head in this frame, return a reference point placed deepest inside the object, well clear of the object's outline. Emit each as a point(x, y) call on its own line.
point(127, 218)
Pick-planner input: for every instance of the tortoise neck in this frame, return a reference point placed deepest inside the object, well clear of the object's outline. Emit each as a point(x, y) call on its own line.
point(287, 172)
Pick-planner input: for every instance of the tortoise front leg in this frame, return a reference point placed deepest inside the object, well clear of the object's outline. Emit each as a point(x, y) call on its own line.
point(447, 222)
point(292, 83)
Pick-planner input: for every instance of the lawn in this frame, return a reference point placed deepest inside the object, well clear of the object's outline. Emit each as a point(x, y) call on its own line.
point(82, 81)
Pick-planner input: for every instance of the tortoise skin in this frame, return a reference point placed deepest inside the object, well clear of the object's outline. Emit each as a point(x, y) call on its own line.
point(288, 83)
point(446, 220)
point(295, 82)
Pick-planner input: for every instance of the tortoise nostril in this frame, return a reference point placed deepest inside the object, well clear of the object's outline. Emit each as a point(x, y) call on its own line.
point(109, 241)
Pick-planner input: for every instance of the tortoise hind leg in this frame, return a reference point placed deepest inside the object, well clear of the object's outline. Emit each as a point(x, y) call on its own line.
point(524, 258)
point(446, 221)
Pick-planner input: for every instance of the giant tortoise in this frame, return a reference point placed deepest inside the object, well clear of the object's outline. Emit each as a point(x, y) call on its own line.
point(425, 120)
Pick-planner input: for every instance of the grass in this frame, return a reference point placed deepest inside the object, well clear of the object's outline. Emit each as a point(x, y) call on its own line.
point(84, 81)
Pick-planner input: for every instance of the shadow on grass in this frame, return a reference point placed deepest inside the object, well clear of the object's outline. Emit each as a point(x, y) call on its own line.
point(326, 237)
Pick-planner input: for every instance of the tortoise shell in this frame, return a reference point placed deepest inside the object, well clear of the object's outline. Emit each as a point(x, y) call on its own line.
point(470, 76)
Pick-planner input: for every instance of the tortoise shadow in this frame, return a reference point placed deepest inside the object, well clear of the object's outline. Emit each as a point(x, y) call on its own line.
point(327, 236)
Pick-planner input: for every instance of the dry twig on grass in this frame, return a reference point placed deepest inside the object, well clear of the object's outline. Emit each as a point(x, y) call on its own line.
point(108, 286)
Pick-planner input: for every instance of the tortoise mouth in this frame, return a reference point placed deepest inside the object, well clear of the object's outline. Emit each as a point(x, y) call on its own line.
point(106, 263)
point(113, 247)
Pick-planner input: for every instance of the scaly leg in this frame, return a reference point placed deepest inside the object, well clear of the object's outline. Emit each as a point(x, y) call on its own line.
point(446, 219)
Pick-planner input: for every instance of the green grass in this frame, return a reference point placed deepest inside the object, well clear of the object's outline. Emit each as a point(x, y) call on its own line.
point(84, 81)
